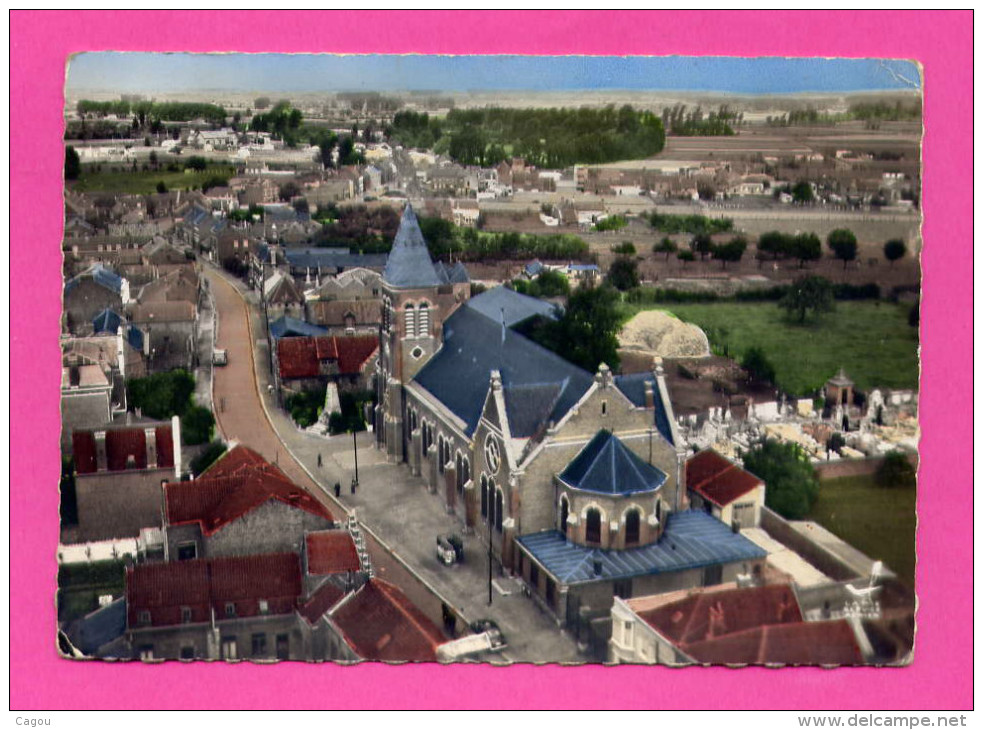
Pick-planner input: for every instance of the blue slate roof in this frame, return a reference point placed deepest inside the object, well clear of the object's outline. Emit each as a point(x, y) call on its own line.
point(583, 267)
point(135, 337)
point(196, 215)
point(99, 627)
point(455, 274)
point(534, 268)
point(409, 265)
point(528, 407)
point(474, 345)
point(102, 275)
point(106, 321)
point(328, 258)
point(291, 327)
point(692, 539)
point(607, 466)
point(517, 307)
point(633, 386)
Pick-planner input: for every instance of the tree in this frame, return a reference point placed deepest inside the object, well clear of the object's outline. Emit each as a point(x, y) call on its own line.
point(806, 247)
point(161, 187)
point(808, 293)
point(153, 158)
point(706, 191)
point(625, 247)
point(774, 243)
point(791, 487)
point(623, 274)
point(732, 251)
point(895, 471)
point(586, 334)
point(550, 283)
point(686, 256)
point(196, 163)
point(197, 425)
point(262, 102)
point(758, 367)
point(73, 165)
point(666, 246)
point(843, 244)
point(207, 457)
point(289, 190)
point(701, 244)
point(802, 192)
point(894, 250)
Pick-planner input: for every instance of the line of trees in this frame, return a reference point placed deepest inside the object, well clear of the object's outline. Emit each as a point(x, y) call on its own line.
point(695, 224)
point(145, 112)
point(680, 122)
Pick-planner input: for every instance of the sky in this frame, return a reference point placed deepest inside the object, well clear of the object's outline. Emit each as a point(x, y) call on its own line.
point(175, 72)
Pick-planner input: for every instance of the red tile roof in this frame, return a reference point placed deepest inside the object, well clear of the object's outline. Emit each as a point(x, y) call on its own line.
point(717, 479)
point(301, 357)
point(381, 624)
point(163, 589)
point(808, 642)
point(237, 484)
point(761, 625)
point(121, 444)
point(331, 551)
point(321, 602)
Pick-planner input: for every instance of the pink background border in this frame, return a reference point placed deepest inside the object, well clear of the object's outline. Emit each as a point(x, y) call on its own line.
point(941, 676)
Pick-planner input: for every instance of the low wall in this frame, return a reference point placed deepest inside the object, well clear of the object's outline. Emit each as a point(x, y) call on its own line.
point(816, 555)
point(854, 467)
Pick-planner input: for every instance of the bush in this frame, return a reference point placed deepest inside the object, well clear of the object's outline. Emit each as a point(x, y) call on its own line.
point(305, 407)
point(197, 425)
point(623, 274)
point(626, 248)
point(161, 395)
point(611, 223)
point(758, 367)
point(895, 471)
point(207, 457)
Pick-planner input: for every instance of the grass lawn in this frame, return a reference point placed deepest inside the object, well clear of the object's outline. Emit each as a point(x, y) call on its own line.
point(878, 521)
point(81, 584)
point(872, 341)
point(144, 183)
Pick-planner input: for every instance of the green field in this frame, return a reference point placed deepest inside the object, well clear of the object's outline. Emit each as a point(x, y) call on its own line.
point(878, 521)
point(872, 341)
point(144, 183)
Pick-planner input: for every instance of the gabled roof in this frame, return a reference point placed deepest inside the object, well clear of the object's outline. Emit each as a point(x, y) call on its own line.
point(718, 479)
point(692, 539)
point(332, 258)
point(474, 345)
point(300, 357)
point(99, 627)
point(381, 624)
point(320, 602)
point(126, 448)
point(331, 551)
point(528, 407)
point(827, 643)
point(292, 327)
point(409, 265)
point(607, 466)
point(106, 321)
point(244, 482)
point(633, 386)
point(175, 311)
point(207, 585)
point(452, 274)
point(102, 275)
point(134, 336)
point(504, 304)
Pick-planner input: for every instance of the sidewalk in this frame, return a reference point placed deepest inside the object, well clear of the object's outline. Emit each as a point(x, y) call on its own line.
point(398, 510)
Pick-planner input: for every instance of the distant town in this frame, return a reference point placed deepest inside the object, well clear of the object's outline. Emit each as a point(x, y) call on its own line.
point(505, 377)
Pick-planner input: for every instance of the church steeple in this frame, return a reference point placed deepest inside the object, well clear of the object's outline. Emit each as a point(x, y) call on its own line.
point(409, 265)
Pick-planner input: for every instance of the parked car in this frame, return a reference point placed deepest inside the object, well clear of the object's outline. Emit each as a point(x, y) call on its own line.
point(490, 628)
point(450, 549)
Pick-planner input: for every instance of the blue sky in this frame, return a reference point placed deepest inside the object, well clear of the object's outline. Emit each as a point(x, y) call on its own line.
point(149, 72)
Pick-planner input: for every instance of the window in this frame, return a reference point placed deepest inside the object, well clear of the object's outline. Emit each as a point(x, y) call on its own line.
point(410, 321)
point(484, 496)
point(622, 588)
point(264, 607)
point(465, 471)
point(146, 652)
point(282, 646)
point(534, 575)
point(459, 473)
point(713, 575)
point(498, 509)
point(551, 592)
point(143, 618)
point(230, 610)
point(627, 634)
point(416, 353)
point(632, 527)
point(593, 525)
point(423, 323)
point(187, 652)
point(564, 514)
point(187, 551)
point(604, 407)
point(185, 614)
point(441, 454)
point(259, 644)
point(229, 648)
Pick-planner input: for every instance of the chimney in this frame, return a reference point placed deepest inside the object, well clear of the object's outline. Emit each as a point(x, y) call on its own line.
point(150, 436)
point(100, 437)
point(649, 395)
point(176, 441)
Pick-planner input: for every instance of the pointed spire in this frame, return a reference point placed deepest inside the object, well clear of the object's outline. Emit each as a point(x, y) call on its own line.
point(409, 265)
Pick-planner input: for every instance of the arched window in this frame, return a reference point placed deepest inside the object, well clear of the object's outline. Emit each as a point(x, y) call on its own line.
point(350, 322)
point(465, 471)
point(491, 502)
point(410, 320)
point(484, 496)
point(499, 508)
point(564, 514)
point(593, 525)
point(458, 472)
point(633, 521)
point(441, 454)
point(423, 321)
point(658, 510)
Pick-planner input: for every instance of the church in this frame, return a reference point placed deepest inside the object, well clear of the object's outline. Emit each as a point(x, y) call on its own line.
point(577, 479)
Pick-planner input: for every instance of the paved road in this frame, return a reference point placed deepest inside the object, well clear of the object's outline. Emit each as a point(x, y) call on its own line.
point(401, 518)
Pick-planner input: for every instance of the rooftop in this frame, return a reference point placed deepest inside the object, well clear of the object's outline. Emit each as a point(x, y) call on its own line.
point(692, 539)
point(718, 479)
point(300, 357)
point(331, 551)
point(502, 304)
point(607, 466)
point(409, 265)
